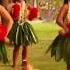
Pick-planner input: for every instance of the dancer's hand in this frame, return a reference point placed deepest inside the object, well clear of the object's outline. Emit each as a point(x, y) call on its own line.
point(63, 32)
point(6, 40)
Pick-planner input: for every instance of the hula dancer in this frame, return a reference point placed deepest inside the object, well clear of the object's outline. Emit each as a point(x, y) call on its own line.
point(60, 48)
point(33, 13)
point(22, 33)
point(5, 26)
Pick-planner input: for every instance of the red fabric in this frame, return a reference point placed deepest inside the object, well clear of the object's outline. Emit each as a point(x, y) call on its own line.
point(3, 31)
point(68, 34)
point(15, 11)
point(29, 7)
point(68, 67)
point(33, 13)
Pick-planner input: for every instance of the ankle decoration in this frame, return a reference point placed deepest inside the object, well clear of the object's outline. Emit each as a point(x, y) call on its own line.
point(24, 60)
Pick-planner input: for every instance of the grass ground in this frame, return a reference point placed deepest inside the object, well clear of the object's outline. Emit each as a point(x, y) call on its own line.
point(46, 32)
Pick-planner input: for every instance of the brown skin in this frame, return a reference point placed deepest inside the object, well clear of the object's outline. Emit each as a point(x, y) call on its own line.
point(6, 17)
point(60, 19)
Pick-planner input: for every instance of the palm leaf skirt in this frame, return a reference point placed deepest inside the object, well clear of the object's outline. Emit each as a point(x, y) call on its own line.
point(60, 48)
point(3, 53)
point(23, 34)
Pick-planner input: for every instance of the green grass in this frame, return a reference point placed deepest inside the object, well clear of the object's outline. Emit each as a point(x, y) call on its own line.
point(46, 32)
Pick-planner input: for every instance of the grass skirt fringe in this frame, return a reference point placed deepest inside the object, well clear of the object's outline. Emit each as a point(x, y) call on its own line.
point(3, 53)
point(23, 34)
point(60, 48)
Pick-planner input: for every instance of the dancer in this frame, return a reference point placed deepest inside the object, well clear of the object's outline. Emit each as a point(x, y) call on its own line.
point(60, 48)
point(22, 33)
point(33, 12)
point(6, 23)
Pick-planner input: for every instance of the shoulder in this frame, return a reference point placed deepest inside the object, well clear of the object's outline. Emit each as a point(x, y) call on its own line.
point(64, 7)
point(3, 11)
point(10, 6)
point(2, 8)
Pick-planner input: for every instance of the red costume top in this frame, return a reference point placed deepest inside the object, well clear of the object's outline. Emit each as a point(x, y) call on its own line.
point(15, 11)
point(3, 32)
point(68, 34)
point(33, 13)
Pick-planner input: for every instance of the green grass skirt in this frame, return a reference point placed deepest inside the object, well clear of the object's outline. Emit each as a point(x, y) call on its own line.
point(3, 53)
point(60, 48)
point(22, 34)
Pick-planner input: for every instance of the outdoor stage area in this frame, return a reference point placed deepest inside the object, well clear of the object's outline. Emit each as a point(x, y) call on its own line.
point(46, 32)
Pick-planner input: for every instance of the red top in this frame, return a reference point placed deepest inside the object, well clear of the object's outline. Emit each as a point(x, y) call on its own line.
point(3, 32)
point(15, 12)
point(68, 34)
point(33, 13)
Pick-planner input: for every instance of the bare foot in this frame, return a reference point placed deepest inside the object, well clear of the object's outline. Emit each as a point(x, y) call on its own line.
point(25, 67)
point(30, 67)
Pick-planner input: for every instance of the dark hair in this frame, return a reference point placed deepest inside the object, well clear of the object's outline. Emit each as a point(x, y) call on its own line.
point(1, 2)
point(65, 1)
point(18, 1)
point(25, 1)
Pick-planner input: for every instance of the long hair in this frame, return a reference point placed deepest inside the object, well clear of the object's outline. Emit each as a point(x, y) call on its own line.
point(65, 1)
point(1, 2)
point(18, 1)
